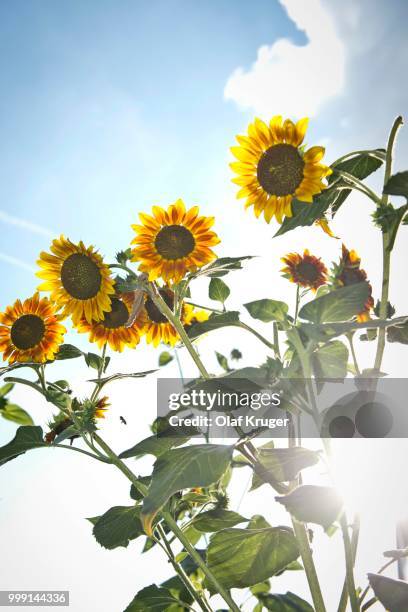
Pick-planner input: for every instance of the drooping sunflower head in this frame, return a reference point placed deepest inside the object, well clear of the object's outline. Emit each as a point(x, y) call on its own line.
point(273, 167)
point(348, 272)
point(168, 244)
point(30, 331)
point(77, 278)
point(305, 270)
point(154, 325)
point(113, 329)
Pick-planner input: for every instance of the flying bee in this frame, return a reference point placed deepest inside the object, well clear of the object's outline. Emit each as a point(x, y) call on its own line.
point(123, 420)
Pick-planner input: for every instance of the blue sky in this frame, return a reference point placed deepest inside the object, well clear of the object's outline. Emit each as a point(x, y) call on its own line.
point(109, 107)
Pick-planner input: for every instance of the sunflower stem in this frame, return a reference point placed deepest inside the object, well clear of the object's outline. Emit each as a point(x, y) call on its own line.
point(165, 545)
point(360, 186)
point(349, 337)
point(101, 369)
point(257, 335)
point(349, 557)
point(297, 304)
point(177, 324)
point(385, 246)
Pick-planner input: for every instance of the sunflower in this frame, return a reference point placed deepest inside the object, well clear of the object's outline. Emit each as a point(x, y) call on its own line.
point(348, 272)
point(101, 407)
point(173, 242)
point(77, 278)
point(113, 329)
point(154, 325)
point(305, 270)
point(30, 331)
point(193, 315)
point(273, 168)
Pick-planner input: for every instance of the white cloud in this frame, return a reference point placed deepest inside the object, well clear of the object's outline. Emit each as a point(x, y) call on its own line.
point(291, 79)
point(24, 224)
point(19, 263)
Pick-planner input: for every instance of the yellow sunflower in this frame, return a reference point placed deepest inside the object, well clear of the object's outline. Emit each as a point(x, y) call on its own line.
point(77, 278)
point(154, 325)
point(273, 168)
point(30, 331)
point(171, 243)
point(113, 328)
point(305, 270)
point(193, 315)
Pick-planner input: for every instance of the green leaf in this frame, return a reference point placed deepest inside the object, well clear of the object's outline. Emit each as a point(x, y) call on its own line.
point(215, 321)
point(313, 504)
point(152, 599)
point(267, 310)
point(5, 389)
point(282, 464)
point(118, 526)
point(398, 185)
point(27, 437)
point(305, 214)
point(214, 520)
point(392, 593)
point(154, 445)
point(218, 290)
point(14, 413)
point(221, 266)
point(240, 558)
point(289, 602)
point(183, 468)
point(164, 358)
point(68, 351)
point(398, 333)
point(330, 361)
point(339, 305)
point(93, 360)
point(223, 361)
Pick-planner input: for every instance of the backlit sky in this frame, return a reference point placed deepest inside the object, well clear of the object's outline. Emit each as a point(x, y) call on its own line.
point(109, 107)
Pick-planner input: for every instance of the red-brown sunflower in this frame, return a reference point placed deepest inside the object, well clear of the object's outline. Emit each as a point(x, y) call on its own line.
point(305, 270)
point(31, 331)
point(113, 329)
point(348, 272)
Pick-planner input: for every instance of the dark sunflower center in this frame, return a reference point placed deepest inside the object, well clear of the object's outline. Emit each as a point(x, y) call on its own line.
point(351, 276)
point(81, 276)
point(307, 271)
point(27, 332)
point(280, 170)
point(154, 313)
point(174, 242)
point(118, 316)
